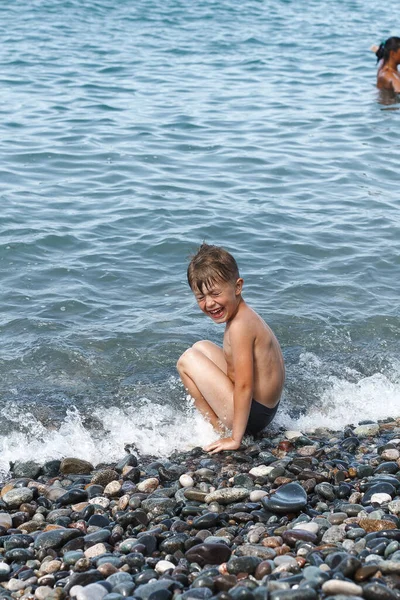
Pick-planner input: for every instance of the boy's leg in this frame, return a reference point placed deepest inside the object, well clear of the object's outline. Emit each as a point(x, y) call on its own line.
point(202, 369)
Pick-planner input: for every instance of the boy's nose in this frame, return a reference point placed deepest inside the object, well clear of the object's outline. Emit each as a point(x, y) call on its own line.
point(209, 302)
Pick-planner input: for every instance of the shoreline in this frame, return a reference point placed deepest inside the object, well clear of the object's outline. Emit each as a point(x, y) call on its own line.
point(288, 516)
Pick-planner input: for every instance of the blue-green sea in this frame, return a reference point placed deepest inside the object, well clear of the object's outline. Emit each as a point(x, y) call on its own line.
point(131, 131)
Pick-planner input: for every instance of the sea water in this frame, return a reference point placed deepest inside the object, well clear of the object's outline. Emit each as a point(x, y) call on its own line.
point(130, 132)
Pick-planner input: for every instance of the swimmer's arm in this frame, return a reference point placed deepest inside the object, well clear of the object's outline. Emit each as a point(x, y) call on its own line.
point(242, 346)
point(396, 84)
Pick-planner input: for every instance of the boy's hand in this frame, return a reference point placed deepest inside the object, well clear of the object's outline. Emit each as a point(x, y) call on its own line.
point(224, 444)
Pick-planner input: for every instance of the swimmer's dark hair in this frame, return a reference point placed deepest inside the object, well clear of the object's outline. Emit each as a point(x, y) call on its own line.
point(209, 265)
point(392, 44)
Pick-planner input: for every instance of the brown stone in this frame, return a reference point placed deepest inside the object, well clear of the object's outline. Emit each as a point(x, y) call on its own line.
point(223, 583)
point(285, 446)
point(282, 480)
point(272, 542)
point(80, 506)
point(376, 525)
point(104, 477)
point(365, 572)
point(107, 569)
point(9, 486)
point(75, 466)
point(264, 568)
point(309, 485)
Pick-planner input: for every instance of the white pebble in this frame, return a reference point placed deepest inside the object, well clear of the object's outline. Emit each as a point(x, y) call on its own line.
point(261, 471)
point(311, 527)
point(42, 592)
point(113, 488)
point(5, 520)
point(148, 485)
point(17, 584)
point(101, 501)
point(93, 591)
point(381, 498)
point(50, 566)
point(390, 454)
point(256, 495)
point(164, 565)
point(95, 550)
point(293, 435)
point(186, 481)
point(336, 586)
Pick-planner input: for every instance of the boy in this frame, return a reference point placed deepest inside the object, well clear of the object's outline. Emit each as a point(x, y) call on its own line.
point(240, 384)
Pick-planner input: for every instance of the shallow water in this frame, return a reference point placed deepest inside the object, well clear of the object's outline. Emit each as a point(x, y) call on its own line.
point(129, 133)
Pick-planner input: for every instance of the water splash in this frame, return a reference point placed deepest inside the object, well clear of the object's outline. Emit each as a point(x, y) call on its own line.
point(348, 399)
point(154, 429)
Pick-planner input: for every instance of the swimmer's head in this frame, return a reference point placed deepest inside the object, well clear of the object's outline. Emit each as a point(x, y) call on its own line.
point(383, 51)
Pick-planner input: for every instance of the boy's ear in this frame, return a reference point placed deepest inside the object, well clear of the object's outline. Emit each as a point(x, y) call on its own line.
point(238, 286)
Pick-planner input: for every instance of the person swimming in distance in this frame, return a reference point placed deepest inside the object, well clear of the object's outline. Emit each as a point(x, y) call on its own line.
point(388, 57)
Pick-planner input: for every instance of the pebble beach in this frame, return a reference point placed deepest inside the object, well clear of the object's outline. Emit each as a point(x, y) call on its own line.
point(287, 516)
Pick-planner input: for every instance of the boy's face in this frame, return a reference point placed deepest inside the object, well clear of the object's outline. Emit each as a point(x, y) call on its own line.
point(220, 300)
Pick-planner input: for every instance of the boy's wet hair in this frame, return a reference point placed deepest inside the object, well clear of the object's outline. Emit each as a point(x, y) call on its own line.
point(392, 44)
point(209, 265)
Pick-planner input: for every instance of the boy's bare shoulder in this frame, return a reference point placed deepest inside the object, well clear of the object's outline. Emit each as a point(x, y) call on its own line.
point(248, 321)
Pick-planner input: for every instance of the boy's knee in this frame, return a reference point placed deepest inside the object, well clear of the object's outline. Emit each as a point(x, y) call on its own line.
point(201, 346)
point(183, 359)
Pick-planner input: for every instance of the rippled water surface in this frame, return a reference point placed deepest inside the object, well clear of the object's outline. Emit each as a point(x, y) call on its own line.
point(132, 131)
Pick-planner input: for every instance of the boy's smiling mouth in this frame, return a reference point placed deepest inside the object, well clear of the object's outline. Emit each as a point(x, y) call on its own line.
point(216, 313)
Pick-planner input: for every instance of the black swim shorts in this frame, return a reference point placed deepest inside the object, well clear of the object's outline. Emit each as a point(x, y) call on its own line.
point(260, 416)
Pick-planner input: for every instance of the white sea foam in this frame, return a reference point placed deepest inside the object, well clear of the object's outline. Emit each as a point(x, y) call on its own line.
point(345, 402)
point(158, 429)
point(154, 429)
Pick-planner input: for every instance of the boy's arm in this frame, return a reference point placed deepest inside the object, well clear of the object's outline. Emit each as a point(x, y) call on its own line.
point(242, 346)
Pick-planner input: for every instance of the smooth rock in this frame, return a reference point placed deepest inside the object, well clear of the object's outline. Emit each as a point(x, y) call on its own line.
point(213, 554)
point(242, 564)
point(377, 591)
point(96, 550)
point(394, 507)
point(148, 485)
point(256, 495)
point(75, 466)
point(261, 471)
point(262, 552)
point(337, 586)
point(93, 591)
point(113, 488)
point(55, 538)
point(334, 534)
point(17, 496)
point(104, 477)
point(5, 520)
point(100, 501)
point(227, 495)
point(289, 498)
point(186, 481)
point(164, 565)
point(380, 498)
point(367, 430)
